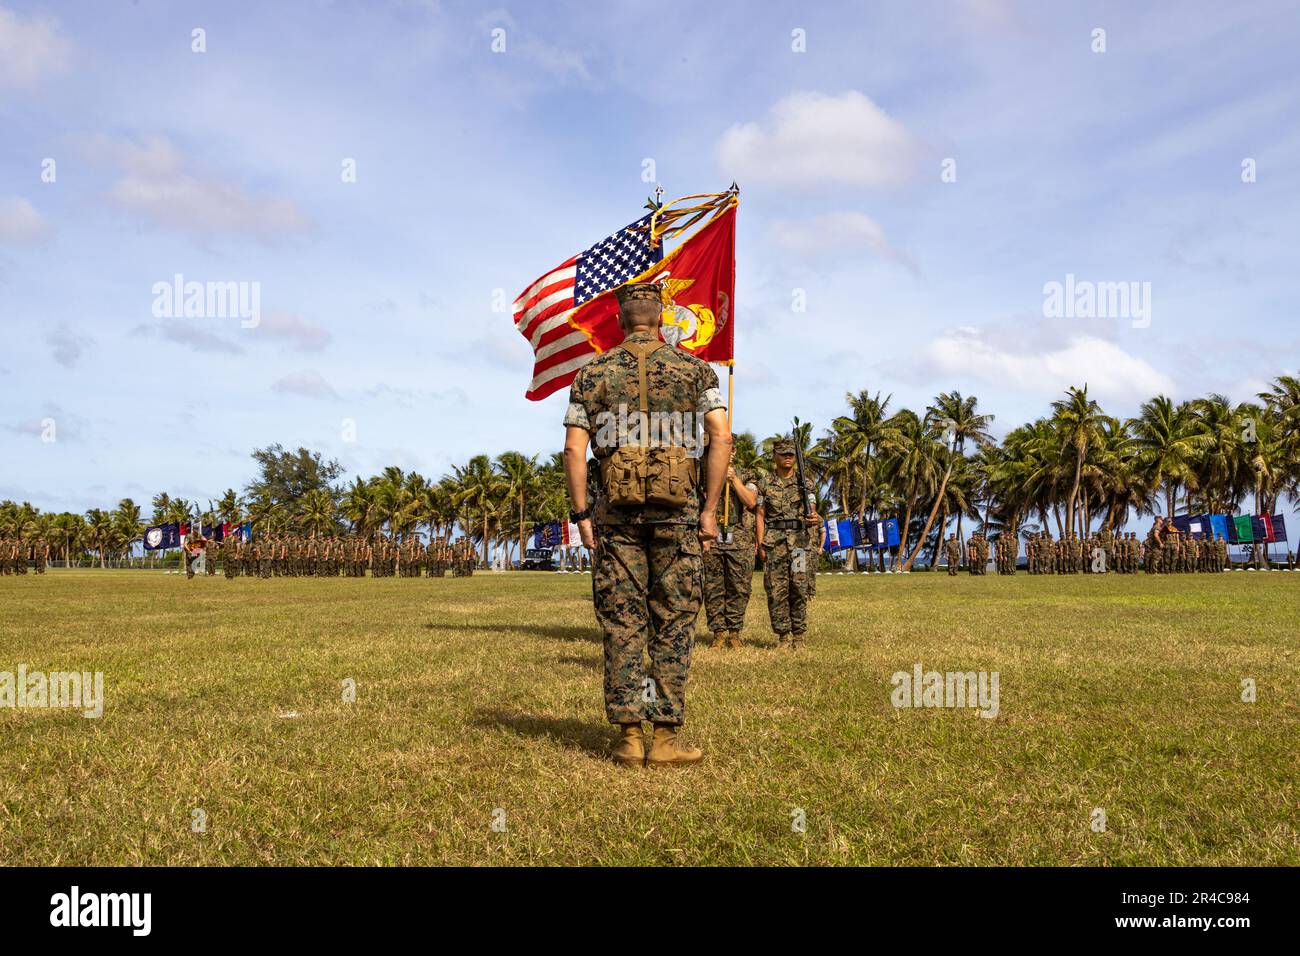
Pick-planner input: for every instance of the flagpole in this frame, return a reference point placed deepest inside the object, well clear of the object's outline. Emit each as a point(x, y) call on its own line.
point(731, 391)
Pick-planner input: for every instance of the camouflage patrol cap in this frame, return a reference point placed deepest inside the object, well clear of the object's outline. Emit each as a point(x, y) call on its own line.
point(784, 446)
point(638, 290)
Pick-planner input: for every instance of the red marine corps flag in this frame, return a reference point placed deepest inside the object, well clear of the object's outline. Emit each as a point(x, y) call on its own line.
point(570, 314)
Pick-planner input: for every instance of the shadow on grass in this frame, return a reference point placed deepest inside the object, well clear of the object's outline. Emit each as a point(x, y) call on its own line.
point(596, 739)
point(586, 663)
point(559, 632)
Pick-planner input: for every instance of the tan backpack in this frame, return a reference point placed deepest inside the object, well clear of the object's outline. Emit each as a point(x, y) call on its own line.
point(636, 475)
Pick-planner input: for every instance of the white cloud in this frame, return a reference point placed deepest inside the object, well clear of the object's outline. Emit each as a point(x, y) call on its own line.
point(812, 139)
point(30, 50)
point(308, 382)
point(1109, 371)
point(186, 332)
point(301, 334)
point(21, 224)
point(835, 234)
point(161, 185)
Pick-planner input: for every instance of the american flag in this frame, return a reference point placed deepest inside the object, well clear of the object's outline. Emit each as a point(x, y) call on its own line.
point(543, 310)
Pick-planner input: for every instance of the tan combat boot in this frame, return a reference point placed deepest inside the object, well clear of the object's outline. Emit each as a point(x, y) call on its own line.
point(734, 638)
point(720, 639)
point(668, 750)
point(630, 751)
point(796, 641)
point(783, 640)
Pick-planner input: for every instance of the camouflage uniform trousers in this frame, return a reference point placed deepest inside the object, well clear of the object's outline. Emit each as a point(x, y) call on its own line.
point(728, 582)
point(647, 593)
point(787, 602)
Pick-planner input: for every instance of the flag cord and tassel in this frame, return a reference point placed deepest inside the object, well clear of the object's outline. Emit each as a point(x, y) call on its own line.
point(667, 222)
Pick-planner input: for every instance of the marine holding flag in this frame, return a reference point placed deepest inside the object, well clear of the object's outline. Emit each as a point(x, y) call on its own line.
point(653, 519)
point(632, 331)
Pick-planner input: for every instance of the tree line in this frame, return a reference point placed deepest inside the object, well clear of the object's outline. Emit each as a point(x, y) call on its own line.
point(1076, 469)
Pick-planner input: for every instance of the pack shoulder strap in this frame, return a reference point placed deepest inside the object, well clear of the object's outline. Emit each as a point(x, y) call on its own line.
point(642, 350)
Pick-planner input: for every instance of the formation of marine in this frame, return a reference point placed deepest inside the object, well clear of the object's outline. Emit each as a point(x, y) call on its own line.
point(350, 556)
point(17, 554)
point(1160, 553)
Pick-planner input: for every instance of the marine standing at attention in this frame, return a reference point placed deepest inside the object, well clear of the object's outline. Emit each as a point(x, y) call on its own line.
point(654, 518)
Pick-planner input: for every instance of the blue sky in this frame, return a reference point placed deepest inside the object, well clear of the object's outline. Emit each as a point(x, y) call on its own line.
point(384, 301)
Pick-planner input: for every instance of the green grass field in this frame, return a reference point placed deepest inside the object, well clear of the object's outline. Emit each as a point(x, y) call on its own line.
point(484, 693)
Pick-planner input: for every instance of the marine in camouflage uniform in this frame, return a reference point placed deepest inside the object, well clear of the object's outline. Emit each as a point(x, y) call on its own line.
point(952, 551)
point(1174, 548)
point(977, 549)
point(785, 541)
point(729, 564)
point(648, 557)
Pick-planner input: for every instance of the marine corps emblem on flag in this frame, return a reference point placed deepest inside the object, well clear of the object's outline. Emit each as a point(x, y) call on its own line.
point(690, 326)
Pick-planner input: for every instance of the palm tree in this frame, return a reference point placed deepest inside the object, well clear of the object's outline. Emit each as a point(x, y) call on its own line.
point(915, 467)
point(1078, 421)
point(316, 512)
point(934, 454)
point(1217, 471)
point(70, 528)
point(1166, 441)
point(961, 422)
point(358, 507)
point(127, 525)
point(480, 489)
point(524, 479)
point(864, 430)
point(229, 505)
point(99, 533)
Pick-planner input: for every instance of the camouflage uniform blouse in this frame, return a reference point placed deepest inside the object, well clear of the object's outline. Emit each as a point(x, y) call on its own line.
point(676, 383)
point(779, 499)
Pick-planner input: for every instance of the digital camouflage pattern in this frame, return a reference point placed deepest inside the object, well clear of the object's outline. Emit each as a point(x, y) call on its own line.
point(729, 564)
point(647, 597)
point(786, 561)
